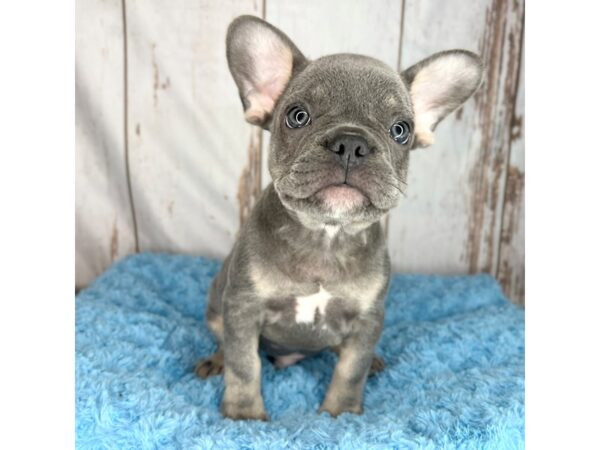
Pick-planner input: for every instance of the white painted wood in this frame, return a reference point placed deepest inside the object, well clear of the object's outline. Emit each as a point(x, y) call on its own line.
point(427, 232)
point(511, 268)
point(320, 28)
point(103, 219)
point(193, 159)
point(432, 230)
point(187, 135)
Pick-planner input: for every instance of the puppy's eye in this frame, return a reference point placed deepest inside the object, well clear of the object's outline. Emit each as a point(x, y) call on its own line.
point(297, 117)
point(400, 132)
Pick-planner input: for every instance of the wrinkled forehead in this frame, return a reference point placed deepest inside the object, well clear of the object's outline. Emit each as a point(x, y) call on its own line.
point(351, 83)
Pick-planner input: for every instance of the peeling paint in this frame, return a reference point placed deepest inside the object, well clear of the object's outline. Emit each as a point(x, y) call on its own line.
point(516, 128)
point(500, 48)
point(249, 186)
point(114, 242)
point(513, 197)
point(157, 84)
point(459, 113)
point(511, 272)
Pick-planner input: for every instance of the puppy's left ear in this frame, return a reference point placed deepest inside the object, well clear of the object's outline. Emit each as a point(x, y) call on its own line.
point(438, 85)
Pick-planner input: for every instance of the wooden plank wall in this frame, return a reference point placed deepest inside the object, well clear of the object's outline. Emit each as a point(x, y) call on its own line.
point(511, 266)
point(104, 229)
point(165, 161)
point(187, 135)
point(452, 218)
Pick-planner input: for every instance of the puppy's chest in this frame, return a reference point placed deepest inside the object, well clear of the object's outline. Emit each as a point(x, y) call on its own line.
point(309, 321)
point(317, 303)
point(307, 315)
point(304, 307)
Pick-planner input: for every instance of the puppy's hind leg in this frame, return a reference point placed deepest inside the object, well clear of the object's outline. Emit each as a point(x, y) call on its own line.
point(213, 365)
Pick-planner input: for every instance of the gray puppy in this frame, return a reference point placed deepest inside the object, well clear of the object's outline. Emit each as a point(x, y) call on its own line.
point(310, 268)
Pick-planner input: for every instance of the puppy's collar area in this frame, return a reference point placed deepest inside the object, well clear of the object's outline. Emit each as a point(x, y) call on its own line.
point(329, 225)
point(328, 228)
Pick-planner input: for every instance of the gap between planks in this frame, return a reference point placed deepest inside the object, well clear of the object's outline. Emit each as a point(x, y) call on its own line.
point(126, 126)
point(250, 182)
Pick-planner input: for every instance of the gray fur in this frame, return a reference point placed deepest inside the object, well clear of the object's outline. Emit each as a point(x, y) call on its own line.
point(294, 247)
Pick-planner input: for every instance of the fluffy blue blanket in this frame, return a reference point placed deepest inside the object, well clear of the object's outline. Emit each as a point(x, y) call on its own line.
point(454, 376)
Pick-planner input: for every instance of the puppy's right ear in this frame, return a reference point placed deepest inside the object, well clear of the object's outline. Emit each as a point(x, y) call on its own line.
point(438, 85)
point(262, 61)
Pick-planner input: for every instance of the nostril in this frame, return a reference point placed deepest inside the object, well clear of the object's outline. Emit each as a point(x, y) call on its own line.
point(341, 149)
point(361, 151)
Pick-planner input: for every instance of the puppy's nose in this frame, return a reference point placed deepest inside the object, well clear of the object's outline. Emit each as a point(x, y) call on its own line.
point(350, 148)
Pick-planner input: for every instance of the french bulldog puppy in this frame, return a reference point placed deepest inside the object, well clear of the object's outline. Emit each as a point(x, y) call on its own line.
point(310, 268)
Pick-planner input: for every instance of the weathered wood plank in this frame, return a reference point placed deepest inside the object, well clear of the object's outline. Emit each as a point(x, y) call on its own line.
point(250, 185)
point(321, 28)
point(501, 49)
point(188, 139)
point(450, 220)
point(511, 267)
point(428, 229)
point(196, 166)
point(103, 218)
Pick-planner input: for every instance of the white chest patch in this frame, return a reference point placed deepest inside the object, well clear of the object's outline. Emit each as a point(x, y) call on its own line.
point(307, 305)
point(332, 230)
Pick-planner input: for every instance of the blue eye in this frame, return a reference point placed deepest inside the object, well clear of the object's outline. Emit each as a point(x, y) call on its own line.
point(297, 117)
point(400, 132)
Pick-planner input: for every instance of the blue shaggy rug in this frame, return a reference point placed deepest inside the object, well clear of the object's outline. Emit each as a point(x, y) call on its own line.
point(454, 376)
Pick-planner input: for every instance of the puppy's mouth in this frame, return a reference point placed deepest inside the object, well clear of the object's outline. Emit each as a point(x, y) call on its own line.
point(319, 184)
point(341, 197)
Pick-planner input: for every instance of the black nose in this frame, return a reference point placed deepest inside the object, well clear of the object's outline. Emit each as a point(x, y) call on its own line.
point(350, 148)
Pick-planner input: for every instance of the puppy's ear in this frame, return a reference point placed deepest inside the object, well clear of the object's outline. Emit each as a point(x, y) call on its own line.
point(262, 61)
point(438, 85)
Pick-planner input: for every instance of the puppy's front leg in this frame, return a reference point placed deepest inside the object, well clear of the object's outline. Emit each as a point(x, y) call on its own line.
point(345, 393)
point(242, 398)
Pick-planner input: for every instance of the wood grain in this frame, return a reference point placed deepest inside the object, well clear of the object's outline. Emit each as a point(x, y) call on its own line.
point(196, 167)
point(104, 229)
point(428, 231)
point(187, 136)
point(450, 220)
point(250, 186)
point(511, 266)
point(250, 182)
point(501, 49)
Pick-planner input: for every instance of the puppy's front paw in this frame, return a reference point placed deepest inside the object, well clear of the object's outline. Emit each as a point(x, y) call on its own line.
point(336, 409)
point(254, 410)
